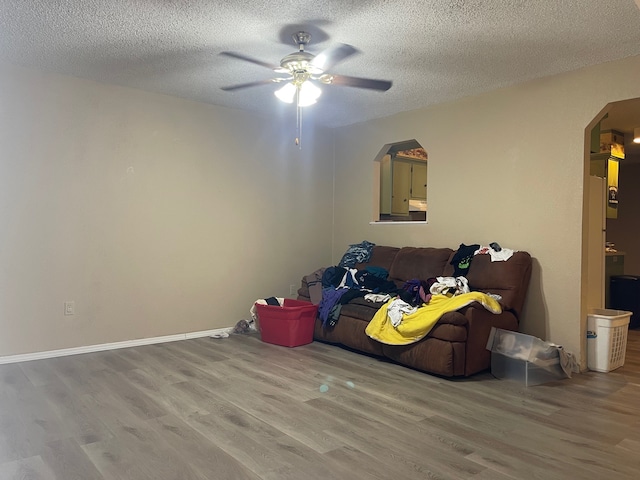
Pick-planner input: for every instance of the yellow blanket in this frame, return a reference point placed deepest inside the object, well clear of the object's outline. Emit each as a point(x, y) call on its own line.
point(417, 325)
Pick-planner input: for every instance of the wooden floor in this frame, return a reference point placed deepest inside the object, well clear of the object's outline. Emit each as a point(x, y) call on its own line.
point(237, 408)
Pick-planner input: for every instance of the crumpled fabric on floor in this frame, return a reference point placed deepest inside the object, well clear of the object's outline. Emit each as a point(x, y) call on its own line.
point(568, 361)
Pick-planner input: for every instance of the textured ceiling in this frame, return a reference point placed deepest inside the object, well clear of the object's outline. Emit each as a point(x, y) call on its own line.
point(432, 50)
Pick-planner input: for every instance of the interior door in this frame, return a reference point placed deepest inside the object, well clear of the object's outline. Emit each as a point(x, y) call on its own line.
point(419, 181)
point(401, 187)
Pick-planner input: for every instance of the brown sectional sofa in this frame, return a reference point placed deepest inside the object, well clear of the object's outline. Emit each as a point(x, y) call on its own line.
point(456, 346)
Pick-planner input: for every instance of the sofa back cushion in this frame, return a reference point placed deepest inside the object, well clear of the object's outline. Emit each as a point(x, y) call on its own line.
point(381, 256)
point(419, 262)
point(510, 278)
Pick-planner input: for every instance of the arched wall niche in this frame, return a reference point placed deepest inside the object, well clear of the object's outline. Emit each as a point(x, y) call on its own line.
point(400, 183)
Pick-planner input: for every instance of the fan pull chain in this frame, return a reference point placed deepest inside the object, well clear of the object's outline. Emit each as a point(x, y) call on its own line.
point(298, 120)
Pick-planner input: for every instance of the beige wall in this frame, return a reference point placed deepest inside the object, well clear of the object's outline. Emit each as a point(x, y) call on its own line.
point(160, 216)
point(156, 215)
point(507, 166)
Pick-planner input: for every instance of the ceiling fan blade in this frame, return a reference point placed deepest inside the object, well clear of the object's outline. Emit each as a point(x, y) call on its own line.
point(247, 85)
point(328, 58)
point(240, 56)
point(357, 82)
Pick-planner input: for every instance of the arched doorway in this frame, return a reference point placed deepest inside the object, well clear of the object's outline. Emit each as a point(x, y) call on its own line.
point(620, 229)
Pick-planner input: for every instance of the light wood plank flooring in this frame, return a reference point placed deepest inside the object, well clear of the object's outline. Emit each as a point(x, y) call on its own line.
point(237, 408)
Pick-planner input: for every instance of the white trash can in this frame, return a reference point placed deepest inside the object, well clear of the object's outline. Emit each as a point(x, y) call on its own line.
point(607, 339)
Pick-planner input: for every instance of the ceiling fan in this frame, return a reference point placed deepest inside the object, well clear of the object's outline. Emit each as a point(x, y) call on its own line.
point(303, 71)
point(302, 66)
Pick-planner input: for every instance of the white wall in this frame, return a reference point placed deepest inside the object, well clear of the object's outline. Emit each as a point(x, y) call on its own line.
point(155, 215)
point(506, 166)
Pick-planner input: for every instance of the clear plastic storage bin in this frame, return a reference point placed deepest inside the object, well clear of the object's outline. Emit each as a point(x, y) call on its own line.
point(529, 373)
point(523, 358)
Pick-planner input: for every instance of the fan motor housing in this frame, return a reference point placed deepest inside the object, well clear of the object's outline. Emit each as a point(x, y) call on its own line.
point(297, 61)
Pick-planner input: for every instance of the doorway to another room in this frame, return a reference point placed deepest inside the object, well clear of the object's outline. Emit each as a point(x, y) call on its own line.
point(613, 218)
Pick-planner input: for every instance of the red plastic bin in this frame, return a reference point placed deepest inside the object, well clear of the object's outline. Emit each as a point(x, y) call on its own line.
point(289, 325)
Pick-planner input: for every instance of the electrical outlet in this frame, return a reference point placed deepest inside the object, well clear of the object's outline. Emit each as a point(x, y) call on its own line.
point(69, 308)
point(293, 290)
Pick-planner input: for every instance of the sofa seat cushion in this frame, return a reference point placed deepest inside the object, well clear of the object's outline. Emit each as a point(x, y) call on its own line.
point(361, 309)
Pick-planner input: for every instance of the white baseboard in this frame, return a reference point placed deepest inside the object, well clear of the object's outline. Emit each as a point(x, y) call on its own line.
point(26, 357)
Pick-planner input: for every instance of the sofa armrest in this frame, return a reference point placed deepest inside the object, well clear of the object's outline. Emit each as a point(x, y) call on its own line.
point(480, 321)
point(303, 291)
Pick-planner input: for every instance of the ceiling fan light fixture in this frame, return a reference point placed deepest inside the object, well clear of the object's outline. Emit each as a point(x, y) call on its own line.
point(309, 93)
point(286, 93)
point(636, 135)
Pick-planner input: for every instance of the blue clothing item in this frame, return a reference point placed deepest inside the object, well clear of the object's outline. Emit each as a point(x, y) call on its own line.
point(369, 281)
point(349, 280)
point(377, 271)
point(357, 253)
point(330, 297)
point(332, 276)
